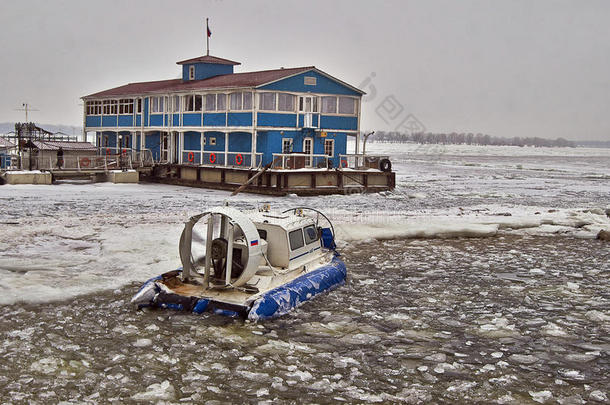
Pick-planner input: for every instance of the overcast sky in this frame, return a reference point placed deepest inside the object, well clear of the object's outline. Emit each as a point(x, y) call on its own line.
point(506, 68)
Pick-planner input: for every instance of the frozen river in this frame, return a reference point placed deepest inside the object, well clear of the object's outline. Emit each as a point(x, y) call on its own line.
point(478, 279)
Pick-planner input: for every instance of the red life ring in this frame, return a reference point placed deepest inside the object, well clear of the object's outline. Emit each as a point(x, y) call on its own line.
point(212, 158)
point(85, 162)
point(343, 163)
point(239, 159)
point(191, 156)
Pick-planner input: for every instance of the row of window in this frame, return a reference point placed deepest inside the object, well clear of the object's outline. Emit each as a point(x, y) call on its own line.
point(123, 106)
point(268, 101)
point(296, 237)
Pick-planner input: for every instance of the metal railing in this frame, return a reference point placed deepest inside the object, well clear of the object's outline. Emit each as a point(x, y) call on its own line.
point(360, 161)
point(301, 161)
point(138, 157)
point(221, 158)
point(88, 162)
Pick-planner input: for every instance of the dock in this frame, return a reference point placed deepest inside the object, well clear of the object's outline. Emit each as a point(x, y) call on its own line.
point(302, 182)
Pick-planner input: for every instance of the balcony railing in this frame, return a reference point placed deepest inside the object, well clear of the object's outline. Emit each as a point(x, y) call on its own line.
point(300, 161)
point(221, 158)
point(360, 161)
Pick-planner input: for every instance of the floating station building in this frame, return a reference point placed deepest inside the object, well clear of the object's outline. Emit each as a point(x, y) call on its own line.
point(218, 128)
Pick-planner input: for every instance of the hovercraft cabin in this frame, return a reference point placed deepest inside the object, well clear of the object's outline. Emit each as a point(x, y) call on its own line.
point(212, 117)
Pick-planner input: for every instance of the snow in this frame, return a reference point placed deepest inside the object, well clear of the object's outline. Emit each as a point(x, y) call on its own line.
point(65, 240)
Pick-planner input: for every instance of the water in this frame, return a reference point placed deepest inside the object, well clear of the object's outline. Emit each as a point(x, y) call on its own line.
point(418, 321)
point(518, 316)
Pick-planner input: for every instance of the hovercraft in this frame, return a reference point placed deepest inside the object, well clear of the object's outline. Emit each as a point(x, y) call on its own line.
point(257, 266)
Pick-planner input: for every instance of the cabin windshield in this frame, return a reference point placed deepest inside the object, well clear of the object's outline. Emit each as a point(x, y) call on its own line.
point(311, 234)
point(296, 239)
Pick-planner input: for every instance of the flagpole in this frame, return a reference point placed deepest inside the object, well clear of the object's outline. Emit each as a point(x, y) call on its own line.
point(207, 36)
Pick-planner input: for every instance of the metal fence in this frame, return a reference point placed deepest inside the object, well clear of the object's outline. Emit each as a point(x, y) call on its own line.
point(226, 159)
point(360, 161)
point(300, 161)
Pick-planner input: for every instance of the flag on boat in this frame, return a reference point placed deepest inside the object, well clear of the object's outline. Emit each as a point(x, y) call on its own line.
point(208, 30)
point(254, 243)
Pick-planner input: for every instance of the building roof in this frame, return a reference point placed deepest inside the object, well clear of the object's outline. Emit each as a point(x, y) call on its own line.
point(233, 80)
point(208, 59)
point(65, 145)
point(6, 144)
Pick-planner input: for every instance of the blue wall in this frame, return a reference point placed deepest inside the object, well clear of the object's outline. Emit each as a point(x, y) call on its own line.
point(240, 119)
point(205, 70)
point(190, 119)
point(214, 120)
point(192, 141)
point(338, 122)
point(93, 121)
point(109, 121)
point(125, 120)
point(220, 141)
point(270, 142)
point(240, 142)
point(156, 120)
point(153, 142)
point(276, 120)
point(323, 85)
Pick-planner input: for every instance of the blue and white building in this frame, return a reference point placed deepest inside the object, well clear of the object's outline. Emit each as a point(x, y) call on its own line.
point(215, 116)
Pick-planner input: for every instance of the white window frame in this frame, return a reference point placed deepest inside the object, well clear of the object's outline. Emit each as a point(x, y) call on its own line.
point(125, 104)
point(322, 104)
point(289, 95)
point(287, 141)
point(261, 106)
point(219, 96)
point(355, 99)
point(238, 96)
point(332, 143)
point(205, 102)
point(160, 104)
point(310, 81)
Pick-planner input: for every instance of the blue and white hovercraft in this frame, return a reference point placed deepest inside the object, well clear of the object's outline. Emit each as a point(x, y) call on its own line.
point(259, 266)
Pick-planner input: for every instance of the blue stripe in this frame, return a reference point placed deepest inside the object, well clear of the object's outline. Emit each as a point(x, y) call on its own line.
point(303, 254)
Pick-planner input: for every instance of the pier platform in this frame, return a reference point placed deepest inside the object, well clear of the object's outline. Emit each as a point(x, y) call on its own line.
point(303, 182)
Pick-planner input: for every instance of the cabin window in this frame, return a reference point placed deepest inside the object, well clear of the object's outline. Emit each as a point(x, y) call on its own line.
point(267, 101)
point(191, 72)
point(175, 104)
point(347, 105)
point(262, 234)
point(329, 147)
point(309, 81)
point(221, 102)
point(210, 102)
point(285, 102)
point(192, 103)
point(296, 239)
point(157, 104)
point(311, 234)
point(94, 107)
point(126, 106)
point(247, 101)
point(212, 140)
point(329, 104)
point(235, 101)
point(286, 145)
point(139, 106)
point(110, 107)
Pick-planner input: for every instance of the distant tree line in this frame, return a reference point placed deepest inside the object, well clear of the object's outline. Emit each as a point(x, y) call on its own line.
point(469, 138)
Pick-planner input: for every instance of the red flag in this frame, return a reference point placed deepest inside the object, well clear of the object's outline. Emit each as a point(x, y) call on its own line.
point(209, 32)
